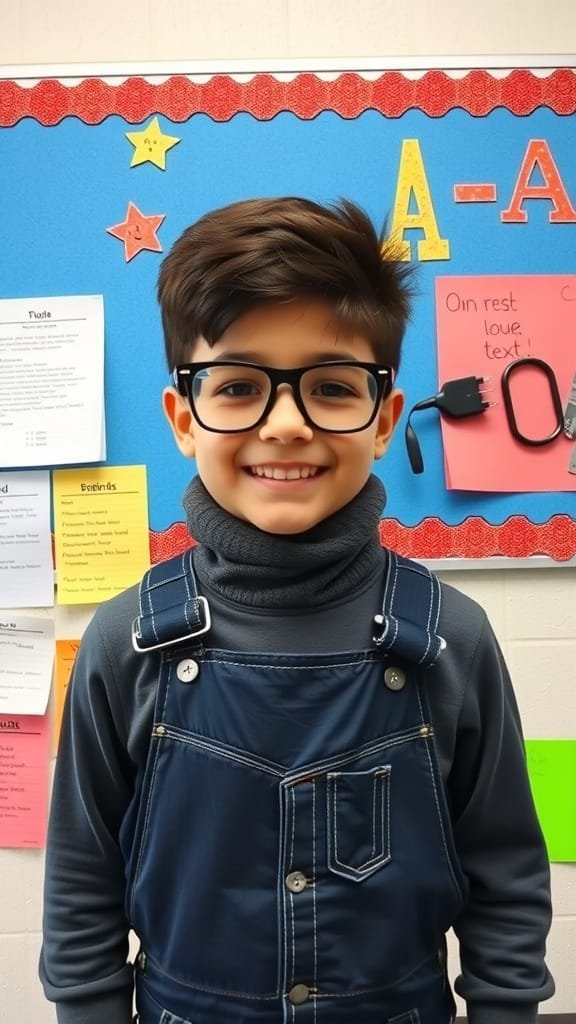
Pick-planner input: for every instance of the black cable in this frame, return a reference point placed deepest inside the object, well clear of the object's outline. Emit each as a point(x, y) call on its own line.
point(457, 399)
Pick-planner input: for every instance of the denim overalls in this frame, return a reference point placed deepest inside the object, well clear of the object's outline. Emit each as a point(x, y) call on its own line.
point(289, 852)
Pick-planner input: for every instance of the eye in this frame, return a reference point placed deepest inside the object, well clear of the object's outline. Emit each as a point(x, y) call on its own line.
point(333, 389)
point(239, 389)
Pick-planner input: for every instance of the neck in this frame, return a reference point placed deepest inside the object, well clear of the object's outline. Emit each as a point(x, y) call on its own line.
point(258, 569)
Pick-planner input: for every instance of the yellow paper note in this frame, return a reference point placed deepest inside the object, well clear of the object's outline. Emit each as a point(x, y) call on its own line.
point(101, 531)
point(65, 654)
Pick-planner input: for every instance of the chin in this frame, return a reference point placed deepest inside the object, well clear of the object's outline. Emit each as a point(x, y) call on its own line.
point(283, 527)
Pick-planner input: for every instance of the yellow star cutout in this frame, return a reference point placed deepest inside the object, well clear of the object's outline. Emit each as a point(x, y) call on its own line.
point(151, 145)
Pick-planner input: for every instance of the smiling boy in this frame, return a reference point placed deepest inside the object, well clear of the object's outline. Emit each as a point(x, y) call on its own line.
point(284, 476)
point(293, 760)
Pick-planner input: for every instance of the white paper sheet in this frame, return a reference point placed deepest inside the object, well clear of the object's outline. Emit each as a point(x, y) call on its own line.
point(26, 569)
point(26, 662)
point(51, 381)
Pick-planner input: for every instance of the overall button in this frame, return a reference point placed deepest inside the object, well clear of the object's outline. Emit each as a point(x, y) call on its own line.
point(395, 678)
point(296, 881)
point(187, 670)
point(299, 994)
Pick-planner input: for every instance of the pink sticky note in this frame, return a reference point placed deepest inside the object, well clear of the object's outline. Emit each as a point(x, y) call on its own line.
point(483, 324)
point(24, 756)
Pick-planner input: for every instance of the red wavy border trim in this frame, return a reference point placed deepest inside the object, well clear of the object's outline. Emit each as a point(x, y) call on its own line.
point(306, 95)
point(517, 537)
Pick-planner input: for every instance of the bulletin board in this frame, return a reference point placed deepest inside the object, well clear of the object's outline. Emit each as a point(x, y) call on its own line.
point(474, 171)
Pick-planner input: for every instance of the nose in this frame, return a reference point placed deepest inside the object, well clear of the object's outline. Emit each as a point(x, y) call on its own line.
point(285, 422)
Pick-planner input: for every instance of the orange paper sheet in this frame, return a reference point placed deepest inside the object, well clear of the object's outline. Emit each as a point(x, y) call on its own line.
point(483, 324)
point(24, 757)
point(65, 655)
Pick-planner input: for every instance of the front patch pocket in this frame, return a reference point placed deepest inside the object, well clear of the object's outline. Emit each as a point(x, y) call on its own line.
point(412, 1017)
point(358, 822)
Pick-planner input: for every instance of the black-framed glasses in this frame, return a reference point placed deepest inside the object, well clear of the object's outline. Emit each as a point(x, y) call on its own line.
point(229, 397)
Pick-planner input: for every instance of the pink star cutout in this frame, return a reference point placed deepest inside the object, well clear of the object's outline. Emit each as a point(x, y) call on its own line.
point(138, 232)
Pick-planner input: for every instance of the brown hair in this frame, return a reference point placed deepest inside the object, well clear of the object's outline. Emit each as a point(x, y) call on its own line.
point(276, 250)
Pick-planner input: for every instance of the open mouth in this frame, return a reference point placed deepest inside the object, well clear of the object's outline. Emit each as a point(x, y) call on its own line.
point(288, 473)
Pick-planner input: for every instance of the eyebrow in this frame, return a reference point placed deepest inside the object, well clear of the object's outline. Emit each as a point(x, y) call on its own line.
point(315, 357)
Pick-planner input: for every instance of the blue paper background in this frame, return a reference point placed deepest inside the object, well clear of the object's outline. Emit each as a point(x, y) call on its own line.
point(62, 186)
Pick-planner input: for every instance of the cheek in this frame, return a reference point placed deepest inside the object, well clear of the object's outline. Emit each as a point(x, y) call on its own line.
point(216, 453)
point(359, 454)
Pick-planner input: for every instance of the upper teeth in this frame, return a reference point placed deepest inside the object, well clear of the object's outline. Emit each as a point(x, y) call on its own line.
point(276, 473)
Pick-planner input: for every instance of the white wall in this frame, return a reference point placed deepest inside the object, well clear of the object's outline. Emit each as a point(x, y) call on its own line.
point(533, 611)
point(33, 31)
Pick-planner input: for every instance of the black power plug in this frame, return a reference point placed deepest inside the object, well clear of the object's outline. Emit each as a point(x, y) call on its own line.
point(456, 399)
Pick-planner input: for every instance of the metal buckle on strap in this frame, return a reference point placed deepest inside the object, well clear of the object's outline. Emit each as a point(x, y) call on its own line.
point(143, 649)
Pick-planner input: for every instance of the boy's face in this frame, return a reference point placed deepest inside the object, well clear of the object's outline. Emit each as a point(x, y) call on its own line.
point(231, 466)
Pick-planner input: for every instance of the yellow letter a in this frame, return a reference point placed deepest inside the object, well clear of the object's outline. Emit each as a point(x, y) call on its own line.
point(412, 180)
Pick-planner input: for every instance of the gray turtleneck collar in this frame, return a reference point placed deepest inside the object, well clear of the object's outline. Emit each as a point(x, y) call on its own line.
point(262, 570)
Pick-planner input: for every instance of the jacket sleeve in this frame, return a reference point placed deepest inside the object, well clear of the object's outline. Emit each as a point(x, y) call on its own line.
point(84, 960)
point(502, 930)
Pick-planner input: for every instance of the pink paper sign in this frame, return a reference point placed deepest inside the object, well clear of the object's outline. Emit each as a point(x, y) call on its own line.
point(24, 757)
point(484, 324)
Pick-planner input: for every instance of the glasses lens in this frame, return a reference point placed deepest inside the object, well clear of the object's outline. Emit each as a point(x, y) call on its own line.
point(229, 397)
point(339, 398)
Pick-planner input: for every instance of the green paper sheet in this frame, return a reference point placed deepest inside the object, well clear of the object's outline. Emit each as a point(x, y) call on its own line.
point(552, 770)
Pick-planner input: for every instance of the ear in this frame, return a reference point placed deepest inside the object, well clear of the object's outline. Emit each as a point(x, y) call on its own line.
point(388, 417)
point(179, 415)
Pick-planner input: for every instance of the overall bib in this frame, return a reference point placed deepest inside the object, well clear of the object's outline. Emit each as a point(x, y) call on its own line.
point(289, 853)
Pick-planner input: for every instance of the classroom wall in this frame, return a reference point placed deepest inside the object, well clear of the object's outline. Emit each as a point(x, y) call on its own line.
point(533, 611)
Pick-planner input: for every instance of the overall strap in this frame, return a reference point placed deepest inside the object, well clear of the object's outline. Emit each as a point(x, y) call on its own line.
point(410, 612)
point(171, 610)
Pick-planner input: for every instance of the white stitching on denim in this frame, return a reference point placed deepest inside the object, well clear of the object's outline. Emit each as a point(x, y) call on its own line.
point(230, 755)
point(291, 893)
point(427, 630)
point(359, 753)
point(432, 629)
point(266, 997)
point(393, 596)
point(314, 915)
point(184, 574)
point(281, 901)
point(151, 613)
point(164, 669)
point(395, 567)
point(410, 1017)
point(378, 988)
point(367, 659)
point(147, 586)
point(288, 781)
point(434, 605)
point(384, 856)
point(387, 804)
point(143, 590)
point(164, 580)
point(374, 815)
point(438, 810)
point(187, 586)
point(437, 616)
point(144, 834)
